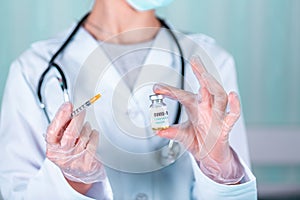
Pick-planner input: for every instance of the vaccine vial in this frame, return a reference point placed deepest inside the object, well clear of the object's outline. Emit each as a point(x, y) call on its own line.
point(158, 112)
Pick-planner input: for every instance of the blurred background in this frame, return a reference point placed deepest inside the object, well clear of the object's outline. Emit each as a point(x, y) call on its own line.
point(262, 35)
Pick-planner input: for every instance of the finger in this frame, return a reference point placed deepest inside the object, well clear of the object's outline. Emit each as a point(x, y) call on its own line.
point(235, 110)
point(206, 98)
point(184, 97)
point(93, 142)
point(213, 86)
point(72, 131)
point(207, 80)
point(176, 132)
point(169, 133)
point(198, 69)
point(58, 124)
point(91, 161)
point(217, 91)
point(84, 136)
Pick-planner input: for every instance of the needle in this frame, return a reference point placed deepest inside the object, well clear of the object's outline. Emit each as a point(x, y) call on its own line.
point(85, 105)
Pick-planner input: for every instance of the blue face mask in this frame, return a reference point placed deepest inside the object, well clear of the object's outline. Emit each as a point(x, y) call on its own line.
point(143, 5)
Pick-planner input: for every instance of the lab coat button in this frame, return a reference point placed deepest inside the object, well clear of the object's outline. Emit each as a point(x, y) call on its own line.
point(141, 196)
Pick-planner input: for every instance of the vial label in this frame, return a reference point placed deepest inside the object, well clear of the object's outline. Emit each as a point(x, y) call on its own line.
point(159, 118)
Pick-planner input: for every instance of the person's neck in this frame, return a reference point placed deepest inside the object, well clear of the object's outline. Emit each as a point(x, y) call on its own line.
point(109, 18)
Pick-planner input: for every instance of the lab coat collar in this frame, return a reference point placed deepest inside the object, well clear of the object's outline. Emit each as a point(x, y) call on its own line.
point(84, 44)
point(159, 57)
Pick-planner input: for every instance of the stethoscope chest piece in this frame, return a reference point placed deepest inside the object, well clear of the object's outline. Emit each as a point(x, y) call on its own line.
point(170, 153)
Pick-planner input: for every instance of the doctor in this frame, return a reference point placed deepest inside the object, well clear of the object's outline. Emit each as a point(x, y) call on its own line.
point(60, 161)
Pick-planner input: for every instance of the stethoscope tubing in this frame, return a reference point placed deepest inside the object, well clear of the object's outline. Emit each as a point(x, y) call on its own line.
point(64, 86)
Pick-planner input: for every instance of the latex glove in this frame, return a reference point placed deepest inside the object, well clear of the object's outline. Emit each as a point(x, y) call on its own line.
point(206, 132)
point(71, 145)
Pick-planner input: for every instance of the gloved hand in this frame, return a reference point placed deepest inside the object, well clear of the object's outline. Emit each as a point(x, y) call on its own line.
point(71, 145)
point(206, 132)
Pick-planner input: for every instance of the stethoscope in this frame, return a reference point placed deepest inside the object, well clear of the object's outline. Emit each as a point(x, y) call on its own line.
point(169, 154)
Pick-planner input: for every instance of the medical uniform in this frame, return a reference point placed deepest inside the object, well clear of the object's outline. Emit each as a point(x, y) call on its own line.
point(25, 172)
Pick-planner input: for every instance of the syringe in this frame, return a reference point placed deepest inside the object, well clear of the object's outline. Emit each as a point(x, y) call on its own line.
point(85, 105)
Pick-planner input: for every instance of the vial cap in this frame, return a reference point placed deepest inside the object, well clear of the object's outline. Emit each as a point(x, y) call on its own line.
point(154, 97)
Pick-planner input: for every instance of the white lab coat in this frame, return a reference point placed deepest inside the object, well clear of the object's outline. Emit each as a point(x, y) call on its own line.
point(25, 172)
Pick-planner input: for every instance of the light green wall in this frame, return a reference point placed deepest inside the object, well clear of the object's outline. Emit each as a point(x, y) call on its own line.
point(263, 36)
point(23, 22)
